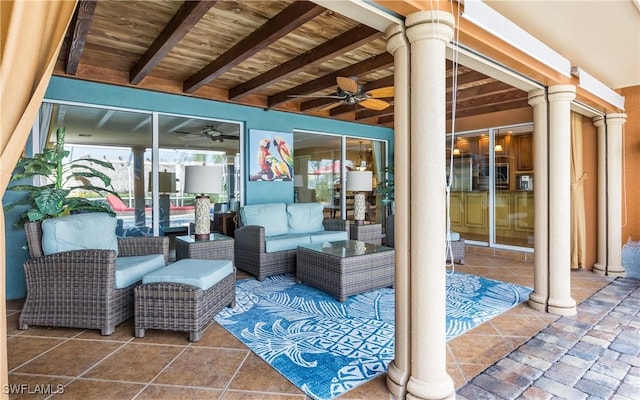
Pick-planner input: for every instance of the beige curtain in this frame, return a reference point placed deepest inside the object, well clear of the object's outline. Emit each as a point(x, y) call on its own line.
point(578, 228)
point(31, 34)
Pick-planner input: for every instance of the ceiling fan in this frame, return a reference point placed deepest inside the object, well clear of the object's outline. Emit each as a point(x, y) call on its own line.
point(208, 132)
point(351, 92)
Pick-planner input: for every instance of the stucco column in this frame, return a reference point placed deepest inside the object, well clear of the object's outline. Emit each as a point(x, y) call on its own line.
point(614, 193)
point(600, 267)
point(399, 369)
point(538, 298)
point(428, 32)
point(560, 300)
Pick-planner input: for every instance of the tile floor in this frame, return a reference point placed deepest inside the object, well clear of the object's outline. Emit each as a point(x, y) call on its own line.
point(164, 365)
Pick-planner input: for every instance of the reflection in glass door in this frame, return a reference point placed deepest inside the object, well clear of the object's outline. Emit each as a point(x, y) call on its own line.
point(491, 200)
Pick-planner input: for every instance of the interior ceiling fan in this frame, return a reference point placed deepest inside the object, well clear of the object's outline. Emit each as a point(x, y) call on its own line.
point(208, 132)
point(351, 92)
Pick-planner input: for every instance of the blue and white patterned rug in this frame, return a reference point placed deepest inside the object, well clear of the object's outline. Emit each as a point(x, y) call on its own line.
point(302, 331)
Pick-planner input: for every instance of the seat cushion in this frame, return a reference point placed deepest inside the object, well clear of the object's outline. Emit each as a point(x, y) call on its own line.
point(130, 270)
point(272, 217)
point(328, 236)
point(199, 273)
point(305, 217)
point(454, 236)
point(286, 242)
point(96, 231)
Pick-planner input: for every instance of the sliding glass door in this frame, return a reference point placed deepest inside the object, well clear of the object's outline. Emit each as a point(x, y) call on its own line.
point(491, 173)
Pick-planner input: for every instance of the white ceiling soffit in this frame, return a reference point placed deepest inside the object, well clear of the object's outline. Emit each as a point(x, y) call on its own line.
point(365, 13)
point(512, 32)
point(601, 37)
point(481, 64)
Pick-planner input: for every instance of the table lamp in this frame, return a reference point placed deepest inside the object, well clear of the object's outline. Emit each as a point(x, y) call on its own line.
point(359, 182)
point(166, 186)
point(202, 180)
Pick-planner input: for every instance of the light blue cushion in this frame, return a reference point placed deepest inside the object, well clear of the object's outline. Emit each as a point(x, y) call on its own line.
point(79, 232)
point(305, 217)
point(454, 236)
point(199, 273)
point(286, 242)
point(272, 216)
point(130, 270)
point(328, 236)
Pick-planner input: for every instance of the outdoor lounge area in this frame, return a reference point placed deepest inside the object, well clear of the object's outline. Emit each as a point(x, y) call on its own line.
point(88, 365)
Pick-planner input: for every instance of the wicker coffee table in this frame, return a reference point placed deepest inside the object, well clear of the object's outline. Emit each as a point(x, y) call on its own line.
point(346, 267)
point(217, 247)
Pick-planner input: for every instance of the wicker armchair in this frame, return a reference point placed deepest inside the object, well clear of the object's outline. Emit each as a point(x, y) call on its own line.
point(77, 288)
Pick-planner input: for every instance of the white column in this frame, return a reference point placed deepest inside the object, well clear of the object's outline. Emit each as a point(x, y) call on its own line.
point(614, 193)
point(538, 298)
point(560, 300)
point(428, 32)
point(600, 267)
point(399, 369)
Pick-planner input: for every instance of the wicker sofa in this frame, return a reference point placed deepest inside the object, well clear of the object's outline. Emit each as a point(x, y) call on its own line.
point(79, 288)
point(266, 241)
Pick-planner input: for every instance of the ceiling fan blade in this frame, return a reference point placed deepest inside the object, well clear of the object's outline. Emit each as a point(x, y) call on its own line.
point(374, 104)
point(388, 91)
point(318, 96)
point(348, 85)
point(229, 137)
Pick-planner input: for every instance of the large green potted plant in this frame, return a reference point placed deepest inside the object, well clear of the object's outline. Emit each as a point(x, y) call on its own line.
point(62, 184)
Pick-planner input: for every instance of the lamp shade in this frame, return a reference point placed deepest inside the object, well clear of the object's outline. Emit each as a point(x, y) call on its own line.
point(166, 182)
point(359, 181)
point(297, 181)
point(203, 179)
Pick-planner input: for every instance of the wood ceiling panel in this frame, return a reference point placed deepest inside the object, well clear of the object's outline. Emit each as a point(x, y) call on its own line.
point(121, 33)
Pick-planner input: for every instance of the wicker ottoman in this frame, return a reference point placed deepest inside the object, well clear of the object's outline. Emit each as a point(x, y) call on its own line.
point(184, 296)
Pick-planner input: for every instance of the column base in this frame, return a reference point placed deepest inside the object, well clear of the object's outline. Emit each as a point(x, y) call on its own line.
point(420, 390)
point(563, 307)
point(537, 301)
point(616, 271)
point(397, 381)
point(599, 269)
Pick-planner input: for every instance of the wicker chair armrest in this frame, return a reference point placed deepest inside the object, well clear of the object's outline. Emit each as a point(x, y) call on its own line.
point(76, 268)
point(144, 245)
point(250, 238)
point(336, 225)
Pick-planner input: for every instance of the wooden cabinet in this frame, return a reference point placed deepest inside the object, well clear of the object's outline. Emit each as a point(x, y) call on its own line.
point(524, 153)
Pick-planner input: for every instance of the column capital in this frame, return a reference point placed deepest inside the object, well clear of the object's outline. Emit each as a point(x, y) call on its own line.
point(562, 93)
point(616, 118)
point(598, 121)
point(430, 25)
point(536, 96)
point(396, 38)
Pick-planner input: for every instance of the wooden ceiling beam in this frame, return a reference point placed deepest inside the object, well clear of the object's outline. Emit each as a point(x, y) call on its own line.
point(366, 113)
point(337, 46)
point(78, 31)
point(491, 108)
point(379, 61)
point(292, 17)
point(320, 102)
point(180, 24)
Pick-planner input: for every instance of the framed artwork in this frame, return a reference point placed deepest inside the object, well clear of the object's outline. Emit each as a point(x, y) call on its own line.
point(270, 156)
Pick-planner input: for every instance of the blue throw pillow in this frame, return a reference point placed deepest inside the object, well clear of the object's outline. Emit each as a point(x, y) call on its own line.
point(272, 216)
point(305, 217)
point(79, 232)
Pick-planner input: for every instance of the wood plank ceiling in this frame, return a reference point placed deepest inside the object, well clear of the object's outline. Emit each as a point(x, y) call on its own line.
point(259, 53)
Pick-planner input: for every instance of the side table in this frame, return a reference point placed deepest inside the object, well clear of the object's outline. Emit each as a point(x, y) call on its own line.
point(370, 233)
point(217, 247)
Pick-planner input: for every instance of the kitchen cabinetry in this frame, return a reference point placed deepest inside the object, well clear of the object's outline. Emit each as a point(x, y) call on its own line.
point(524, 151)
point(514, 214)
